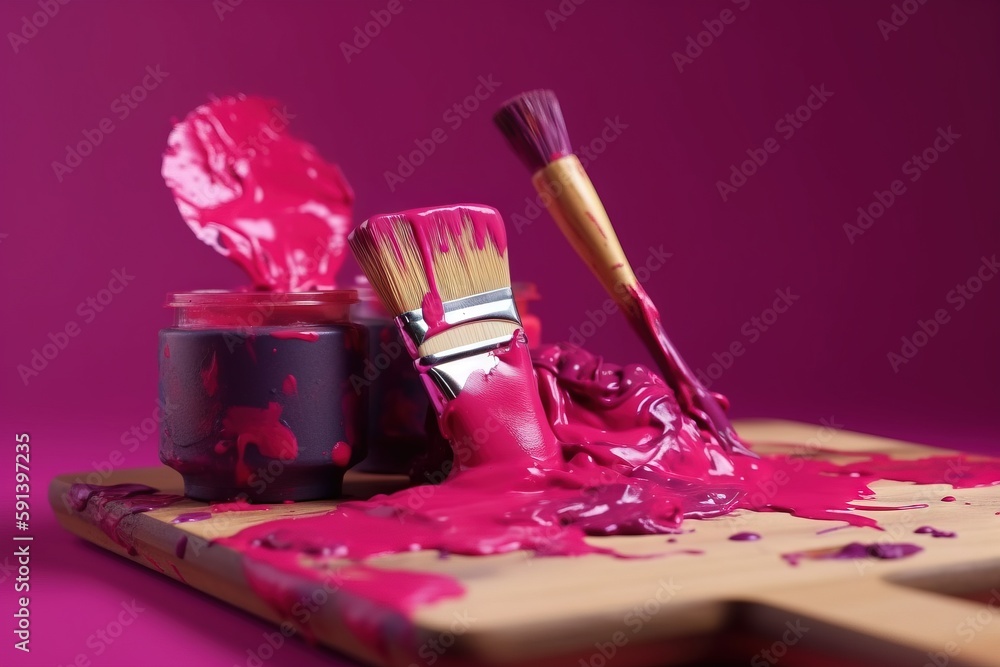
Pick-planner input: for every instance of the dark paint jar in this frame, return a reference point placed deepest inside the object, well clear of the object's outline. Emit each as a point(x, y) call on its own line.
point(398, 403)
point(257, 394)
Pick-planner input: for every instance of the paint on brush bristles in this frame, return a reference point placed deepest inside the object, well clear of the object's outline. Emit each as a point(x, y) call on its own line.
point(423, 258)
point(444, 252)
point(533, 124)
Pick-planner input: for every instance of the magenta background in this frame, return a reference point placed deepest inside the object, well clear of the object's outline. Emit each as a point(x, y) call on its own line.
point(825, 358)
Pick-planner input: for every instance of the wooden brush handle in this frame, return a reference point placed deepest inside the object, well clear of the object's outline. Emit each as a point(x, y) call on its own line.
point(572, 200)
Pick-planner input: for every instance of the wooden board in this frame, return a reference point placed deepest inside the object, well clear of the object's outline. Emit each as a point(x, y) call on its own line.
point(733, 603)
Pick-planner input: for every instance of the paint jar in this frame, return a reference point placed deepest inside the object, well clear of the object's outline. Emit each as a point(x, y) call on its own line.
point(398, 403)
point(257, 396)
point(524, 293)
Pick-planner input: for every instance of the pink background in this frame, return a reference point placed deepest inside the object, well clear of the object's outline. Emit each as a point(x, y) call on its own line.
point(825, 358)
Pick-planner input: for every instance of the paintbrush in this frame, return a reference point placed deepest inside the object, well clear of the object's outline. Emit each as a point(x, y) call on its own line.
point(443, 273)
point(533, 125)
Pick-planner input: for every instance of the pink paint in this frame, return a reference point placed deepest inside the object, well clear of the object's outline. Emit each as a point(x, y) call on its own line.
point(188, 517)
point(110, 507)
point(709, 409)
point(438, 230)
point(237, 506)
point(258, 195)
point(855, 550)
point(166, 351)
point(341, 454)
point(178, 572)
point(290, 386)
point(374, 603)
point(934, 532)
point(948, 499)
point(745, 537)
point(308, 336)
point(261, 427)
point(152, 562)
point(210, 376)
point(598, 450)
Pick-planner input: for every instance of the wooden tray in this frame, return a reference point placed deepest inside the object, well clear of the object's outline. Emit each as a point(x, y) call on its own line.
point(739, 602)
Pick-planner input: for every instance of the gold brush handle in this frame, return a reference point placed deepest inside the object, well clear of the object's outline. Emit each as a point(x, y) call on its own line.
point(573, 201)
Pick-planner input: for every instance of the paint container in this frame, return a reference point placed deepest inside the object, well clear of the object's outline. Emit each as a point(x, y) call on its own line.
point(257, 394)
point(398, 402)
point(525, 293)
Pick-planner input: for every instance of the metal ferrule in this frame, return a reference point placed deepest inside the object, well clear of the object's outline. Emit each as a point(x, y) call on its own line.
point(495, 305)
point(450, 370)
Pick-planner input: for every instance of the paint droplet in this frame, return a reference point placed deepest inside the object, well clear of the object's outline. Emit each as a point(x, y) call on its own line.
point(290, 386)
point(166, 351)
point(341, 454)
point(745, 537)
point(934, 532)
point(948, 499)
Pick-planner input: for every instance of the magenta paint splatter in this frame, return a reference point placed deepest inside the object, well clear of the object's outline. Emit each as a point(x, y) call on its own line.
point(308, 336)
point(934, 532)
point(745, 537)
point(281, 212)
point(341, 454)
point(856, 550)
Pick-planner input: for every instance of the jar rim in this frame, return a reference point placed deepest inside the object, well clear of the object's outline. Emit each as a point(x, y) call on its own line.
point(225, 298)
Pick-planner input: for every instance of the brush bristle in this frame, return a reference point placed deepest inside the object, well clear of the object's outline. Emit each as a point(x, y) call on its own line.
point(533, 124)
point(451, 252)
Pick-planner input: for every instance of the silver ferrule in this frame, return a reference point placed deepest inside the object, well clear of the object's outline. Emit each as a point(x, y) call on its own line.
point(495, 305)
point(450, 370)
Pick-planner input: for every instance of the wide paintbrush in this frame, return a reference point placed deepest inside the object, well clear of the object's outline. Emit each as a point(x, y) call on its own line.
point(533, 124)
point(443, 273)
